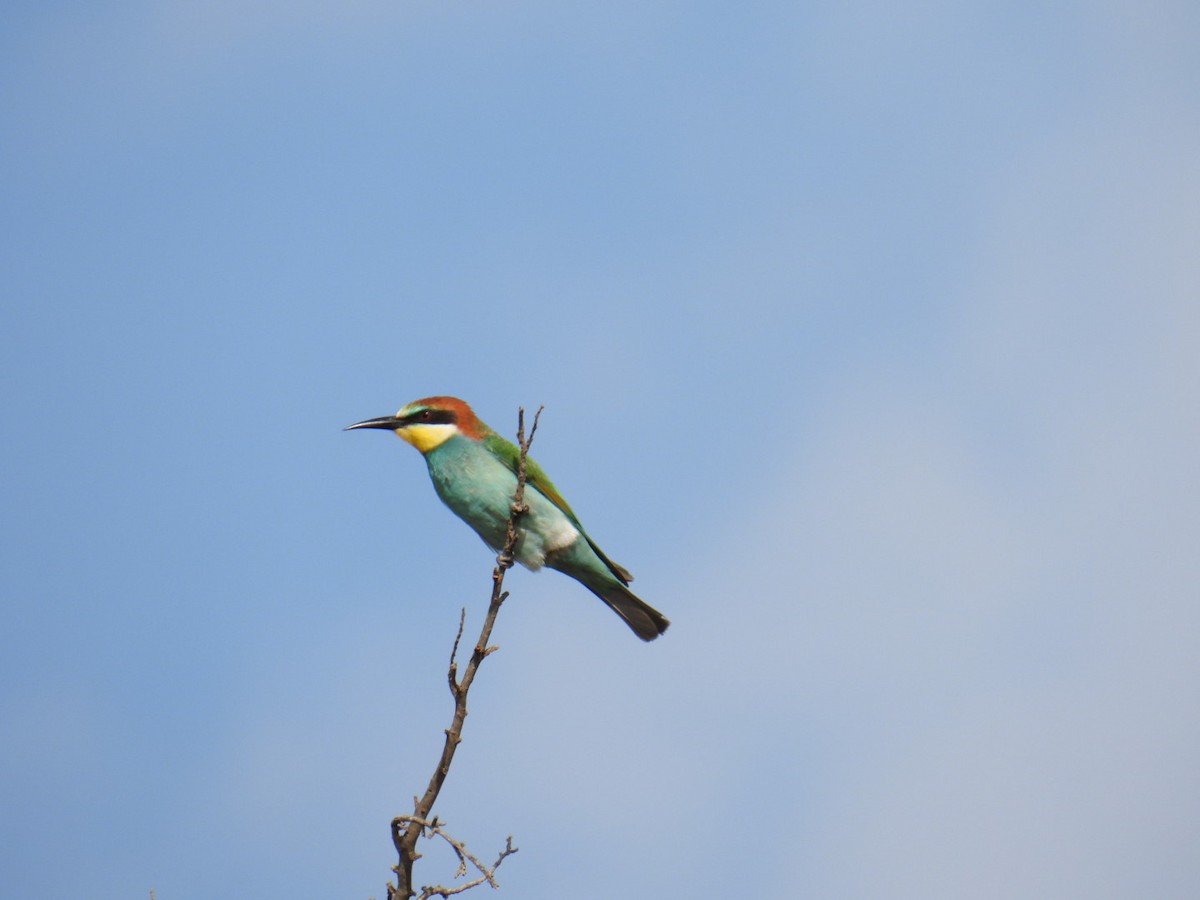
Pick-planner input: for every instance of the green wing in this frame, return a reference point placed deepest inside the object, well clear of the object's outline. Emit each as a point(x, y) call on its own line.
point(508, 453)
point(535, 477)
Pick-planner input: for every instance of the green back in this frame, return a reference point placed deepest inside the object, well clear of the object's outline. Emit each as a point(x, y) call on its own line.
point(535, 477)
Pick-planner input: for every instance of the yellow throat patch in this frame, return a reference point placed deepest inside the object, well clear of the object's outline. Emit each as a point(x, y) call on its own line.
point(426, 437)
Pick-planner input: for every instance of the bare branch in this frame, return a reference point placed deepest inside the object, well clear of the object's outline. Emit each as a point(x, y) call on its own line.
point(487, 873)
point(407, 829)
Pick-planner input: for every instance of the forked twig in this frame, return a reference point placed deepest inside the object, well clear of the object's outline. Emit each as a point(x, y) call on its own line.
point(487, 873)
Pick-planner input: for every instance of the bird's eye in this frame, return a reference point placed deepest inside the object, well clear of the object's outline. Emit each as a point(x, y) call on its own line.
point(426, 415)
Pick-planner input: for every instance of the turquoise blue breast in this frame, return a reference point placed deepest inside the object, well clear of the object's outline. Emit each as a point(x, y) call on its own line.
point(479, 489)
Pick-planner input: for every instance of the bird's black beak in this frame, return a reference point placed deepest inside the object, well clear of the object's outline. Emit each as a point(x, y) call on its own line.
point(391, 423)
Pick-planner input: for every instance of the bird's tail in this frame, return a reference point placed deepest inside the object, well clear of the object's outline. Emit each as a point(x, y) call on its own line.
point(646, 621)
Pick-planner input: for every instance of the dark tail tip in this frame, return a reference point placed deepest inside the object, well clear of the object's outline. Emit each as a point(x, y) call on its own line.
point(644, 620)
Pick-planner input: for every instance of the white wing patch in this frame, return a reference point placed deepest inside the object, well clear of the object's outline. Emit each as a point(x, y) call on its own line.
point(563, 535)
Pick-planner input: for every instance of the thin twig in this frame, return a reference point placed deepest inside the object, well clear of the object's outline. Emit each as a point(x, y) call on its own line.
point(451, 675)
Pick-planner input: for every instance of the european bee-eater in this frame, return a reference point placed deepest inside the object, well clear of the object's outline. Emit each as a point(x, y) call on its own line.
point(474, 472)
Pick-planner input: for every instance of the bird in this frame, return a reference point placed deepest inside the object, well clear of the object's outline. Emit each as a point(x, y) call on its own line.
point(473, 470)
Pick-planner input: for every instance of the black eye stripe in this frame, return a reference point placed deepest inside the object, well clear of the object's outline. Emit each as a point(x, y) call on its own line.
point(431, 417)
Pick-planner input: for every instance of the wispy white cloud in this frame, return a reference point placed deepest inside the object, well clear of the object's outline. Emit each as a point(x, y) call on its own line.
point(1032, 617)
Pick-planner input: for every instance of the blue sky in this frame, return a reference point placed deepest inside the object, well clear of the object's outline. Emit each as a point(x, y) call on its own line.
point(867, 336)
